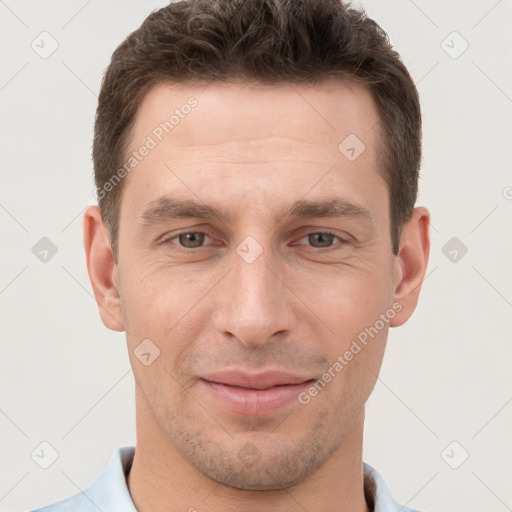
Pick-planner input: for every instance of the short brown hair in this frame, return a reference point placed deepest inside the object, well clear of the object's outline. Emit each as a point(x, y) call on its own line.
point(268, 41)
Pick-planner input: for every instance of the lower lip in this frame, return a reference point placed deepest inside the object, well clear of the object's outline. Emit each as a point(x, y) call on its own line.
point(255, 402)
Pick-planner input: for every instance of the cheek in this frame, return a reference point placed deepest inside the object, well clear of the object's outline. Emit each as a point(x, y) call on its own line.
point(348, 306)
point(341, 392)
point(161, 303)
point(347, 298)
point(352, 371)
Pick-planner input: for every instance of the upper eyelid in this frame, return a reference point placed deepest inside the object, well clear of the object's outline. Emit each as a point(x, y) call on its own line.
point(323, 233)
point(207, 233)
point(186, 232)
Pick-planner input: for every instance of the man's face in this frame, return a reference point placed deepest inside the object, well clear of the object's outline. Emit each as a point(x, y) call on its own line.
point(264, 289)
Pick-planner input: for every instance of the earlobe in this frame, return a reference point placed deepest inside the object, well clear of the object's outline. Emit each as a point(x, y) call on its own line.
point(411, 264)
point(102, 269)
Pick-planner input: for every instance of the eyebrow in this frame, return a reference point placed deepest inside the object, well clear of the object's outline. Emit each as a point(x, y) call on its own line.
point(168, 208)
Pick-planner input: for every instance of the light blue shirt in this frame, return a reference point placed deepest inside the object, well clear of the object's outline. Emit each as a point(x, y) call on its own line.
point(109, 492)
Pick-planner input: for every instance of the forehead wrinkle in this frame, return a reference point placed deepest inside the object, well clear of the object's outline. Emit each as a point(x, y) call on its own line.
point(240, 162)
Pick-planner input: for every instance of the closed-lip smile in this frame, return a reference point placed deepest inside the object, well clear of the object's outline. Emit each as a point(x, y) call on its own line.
point(254, 394)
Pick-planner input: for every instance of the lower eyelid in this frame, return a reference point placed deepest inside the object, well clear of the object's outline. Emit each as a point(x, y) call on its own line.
point(170, 239)
point(337, 237)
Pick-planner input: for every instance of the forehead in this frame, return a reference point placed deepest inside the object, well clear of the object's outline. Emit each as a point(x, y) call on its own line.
point(211, 139)
point(226, 111)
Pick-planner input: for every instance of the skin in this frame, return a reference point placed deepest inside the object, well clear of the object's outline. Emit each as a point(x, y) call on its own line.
point(254, 150)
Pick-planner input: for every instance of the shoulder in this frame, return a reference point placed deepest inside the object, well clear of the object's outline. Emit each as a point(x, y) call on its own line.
point(78, 502)
point(108, 493)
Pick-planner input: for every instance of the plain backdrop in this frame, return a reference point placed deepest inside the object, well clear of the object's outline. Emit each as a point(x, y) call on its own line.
point(437, 421)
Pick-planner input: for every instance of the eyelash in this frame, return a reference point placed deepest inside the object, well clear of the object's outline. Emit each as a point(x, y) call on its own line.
point(168, 241)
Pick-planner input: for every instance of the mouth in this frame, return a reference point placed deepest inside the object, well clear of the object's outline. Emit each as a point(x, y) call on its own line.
point(254, 394)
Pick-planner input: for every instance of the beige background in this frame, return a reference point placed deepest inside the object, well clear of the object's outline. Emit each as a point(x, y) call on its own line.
point(66, 379)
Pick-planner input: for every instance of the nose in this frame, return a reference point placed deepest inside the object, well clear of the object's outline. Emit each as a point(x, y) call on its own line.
point(254, 301)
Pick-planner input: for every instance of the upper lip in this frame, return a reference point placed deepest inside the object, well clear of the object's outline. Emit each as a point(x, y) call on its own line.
point(263, 380)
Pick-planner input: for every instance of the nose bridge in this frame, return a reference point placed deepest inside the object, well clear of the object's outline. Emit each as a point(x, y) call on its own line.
point(254, 304)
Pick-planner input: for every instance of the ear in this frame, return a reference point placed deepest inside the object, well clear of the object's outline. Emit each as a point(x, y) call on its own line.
point(102, 269)
point(411, 264)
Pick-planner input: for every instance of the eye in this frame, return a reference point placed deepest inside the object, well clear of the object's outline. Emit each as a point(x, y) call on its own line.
point(196, 239)
point(188, 239)
point(322, 239)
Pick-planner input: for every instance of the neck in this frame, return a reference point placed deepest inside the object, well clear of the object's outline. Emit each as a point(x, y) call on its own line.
point(161, 479)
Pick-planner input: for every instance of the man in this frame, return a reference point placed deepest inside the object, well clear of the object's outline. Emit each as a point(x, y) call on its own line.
point(256, 163)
